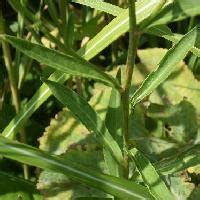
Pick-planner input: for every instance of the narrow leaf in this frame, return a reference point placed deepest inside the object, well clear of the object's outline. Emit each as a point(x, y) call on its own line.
point(114, 124)
point(176, 11)
point(102, 6)
point(42, 94)
point(112, 31)
point(166, 66)
point(116, 28)
point(86, 114)
point(165, 32)
point(118, 187)
point(150, 176)
point(181, 161)
point(66, 63)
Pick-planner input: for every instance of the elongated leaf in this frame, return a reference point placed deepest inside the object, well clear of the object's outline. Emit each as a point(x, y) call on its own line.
point(165, 32)
point(116, 28)
point(181, 161)
point(150, 176)
point(102, 6)
point(118, 187)
point(66, 63)
point(114, 125)
point(39, 97)
point(85, 113)
point(111, 32)
point(166, 66)
point(13, 187)
point(93, 198)
point(176, 11)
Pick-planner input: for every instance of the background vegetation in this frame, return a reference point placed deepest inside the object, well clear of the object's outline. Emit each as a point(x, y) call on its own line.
point(91, 129)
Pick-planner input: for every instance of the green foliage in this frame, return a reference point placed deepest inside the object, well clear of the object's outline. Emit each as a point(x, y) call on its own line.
point(14, 187)
point(92, 143)
point(121, 188)
point(150, 176)
point(166, 66)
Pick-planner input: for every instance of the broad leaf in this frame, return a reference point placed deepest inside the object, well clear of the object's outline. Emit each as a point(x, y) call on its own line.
point(179, 85)
point(150, 177)
point(166, 66)
point(181, 120)
point(116, 186)
point(65, 131)
point(181, 187)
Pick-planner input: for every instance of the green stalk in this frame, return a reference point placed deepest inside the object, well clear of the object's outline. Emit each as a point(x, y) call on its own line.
point(9, 66)
point(63, 7)
point(53, 11)
point(13, 82)
point(132, 49)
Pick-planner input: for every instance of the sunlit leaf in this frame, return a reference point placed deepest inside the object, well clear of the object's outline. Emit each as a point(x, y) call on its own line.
point(150, 176)
point(166, 66)
point(116, 186)
point(101, 5)
point(86, 114)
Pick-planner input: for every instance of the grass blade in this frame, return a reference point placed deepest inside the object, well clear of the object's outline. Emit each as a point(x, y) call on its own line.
point(67, 63)
point(42, 94)
point(165, 32)
point(150, 176)
point(116, 28)
point(166, 66)
point(114, 125)
point(118, 187)
point(176, 11)
point(111, 32)
point(86, 114)
point(102, 6)
point(187, 158)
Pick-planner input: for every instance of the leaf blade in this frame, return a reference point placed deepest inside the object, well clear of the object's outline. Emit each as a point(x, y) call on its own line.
point(85, 113)
point(32, 156)
point(67, 63)
point(166, 66)
point(150, 176)
point(102, 6)
point(97, 44)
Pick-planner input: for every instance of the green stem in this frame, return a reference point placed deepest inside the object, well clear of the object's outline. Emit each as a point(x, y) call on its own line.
point(132, 49)
point(53, 11)
point(13, 82)
point(9, 66)
point(63, 6)
point(191, 23)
